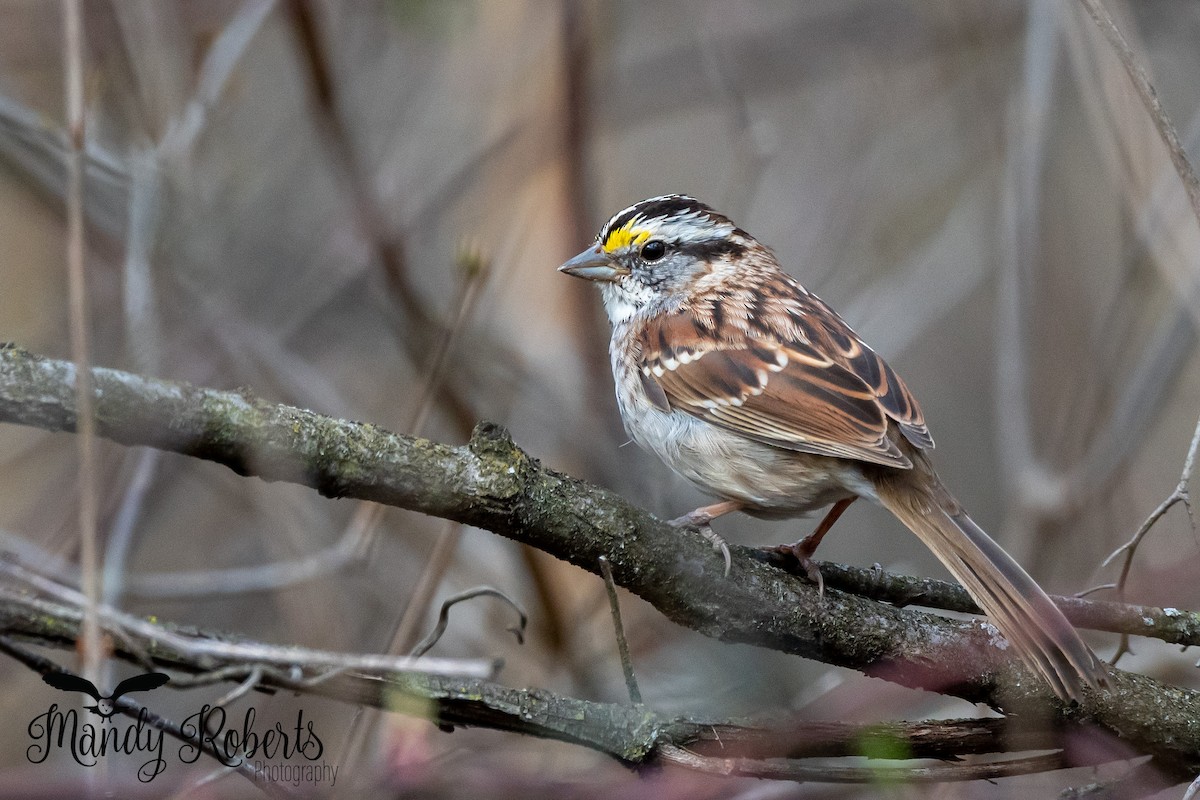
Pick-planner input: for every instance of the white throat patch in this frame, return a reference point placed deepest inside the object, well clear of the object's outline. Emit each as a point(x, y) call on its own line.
point(620, 303)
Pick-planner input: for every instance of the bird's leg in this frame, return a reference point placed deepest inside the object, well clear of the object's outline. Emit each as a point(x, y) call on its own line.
point(803, 550)
point(699, 520)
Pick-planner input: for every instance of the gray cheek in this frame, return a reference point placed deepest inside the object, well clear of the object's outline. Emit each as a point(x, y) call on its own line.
point(671, 274)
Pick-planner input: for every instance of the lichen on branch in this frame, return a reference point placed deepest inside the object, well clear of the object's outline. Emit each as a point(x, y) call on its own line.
point(491, 483)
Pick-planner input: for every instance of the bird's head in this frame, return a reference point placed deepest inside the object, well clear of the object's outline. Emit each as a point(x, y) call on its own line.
point(657, 252)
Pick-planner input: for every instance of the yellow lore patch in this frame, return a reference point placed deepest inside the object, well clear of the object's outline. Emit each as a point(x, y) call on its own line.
point(624, 236)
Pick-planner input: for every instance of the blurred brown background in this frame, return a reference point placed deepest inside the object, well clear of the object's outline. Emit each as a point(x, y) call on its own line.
point(973, 185)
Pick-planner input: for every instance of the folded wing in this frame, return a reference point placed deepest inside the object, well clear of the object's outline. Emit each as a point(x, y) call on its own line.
point(797, 377)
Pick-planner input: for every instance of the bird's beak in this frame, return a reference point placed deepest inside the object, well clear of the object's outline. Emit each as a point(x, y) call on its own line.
point(593, 265)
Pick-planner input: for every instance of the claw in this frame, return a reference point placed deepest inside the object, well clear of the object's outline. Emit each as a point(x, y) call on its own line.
point(698, 522)
point(719, 545)
point(801, 556)
point(814, 574)
point(803, 551)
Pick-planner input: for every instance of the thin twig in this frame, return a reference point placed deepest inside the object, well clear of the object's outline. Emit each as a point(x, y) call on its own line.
point(80, 323)
point(475, 269)
point(1103, 587)
point(1178, 495)
point(233, 672)
point(120, 540)
point(635, 694)
point(143, 342)
point(590, 331)
point(443, 620)
point(433, 570)
point(221, 58)
point(183, 584)
point(804, 773)
point(210, 651)
point(1149, 192)
point(1027, 134)
point(1149, 97)
point(241, 690)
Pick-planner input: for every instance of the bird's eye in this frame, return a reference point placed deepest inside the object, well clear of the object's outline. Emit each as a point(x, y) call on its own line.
point(653, 250)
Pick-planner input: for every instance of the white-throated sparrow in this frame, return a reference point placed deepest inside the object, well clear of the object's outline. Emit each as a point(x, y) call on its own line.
point(753, 389)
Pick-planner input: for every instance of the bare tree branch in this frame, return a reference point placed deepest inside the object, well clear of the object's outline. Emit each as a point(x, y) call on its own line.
point(1174, 625)
point(492, 484)
point(631, 734)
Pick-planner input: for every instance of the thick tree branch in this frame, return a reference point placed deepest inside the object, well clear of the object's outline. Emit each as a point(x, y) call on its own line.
point(492, 484)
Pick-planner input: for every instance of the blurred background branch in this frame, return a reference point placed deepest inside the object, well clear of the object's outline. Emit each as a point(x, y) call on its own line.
point(446, 693)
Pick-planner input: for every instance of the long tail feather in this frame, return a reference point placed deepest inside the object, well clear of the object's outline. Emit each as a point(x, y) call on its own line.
point(1048, 643)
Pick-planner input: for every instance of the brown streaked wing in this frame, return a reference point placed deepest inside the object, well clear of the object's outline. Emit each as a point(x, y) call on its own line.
point(789, 396)
point(829, 332)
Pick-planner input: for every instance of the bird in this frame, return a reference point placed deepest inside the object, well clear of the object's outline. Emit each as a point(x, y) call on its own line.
point(758, 393)
point(105, 707)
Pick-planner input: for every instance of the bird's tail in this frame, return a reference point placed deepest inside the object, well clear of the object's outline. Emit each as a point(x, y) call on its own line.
point(1021, 610)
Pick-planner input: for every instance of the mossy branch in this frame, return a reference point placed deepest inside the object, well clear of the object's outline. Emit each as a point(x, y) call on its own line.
point(492, 484)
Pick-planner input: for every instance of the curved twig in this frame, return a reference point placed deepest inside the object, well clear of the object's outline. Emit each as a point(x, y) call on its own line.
point(443, 620)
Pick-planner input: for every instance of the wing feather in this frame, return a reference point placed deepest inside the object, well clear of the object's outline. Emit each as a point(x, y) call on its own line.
point(835, 337)
point(140, 683)
point(805, 383)
point(71, 683)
